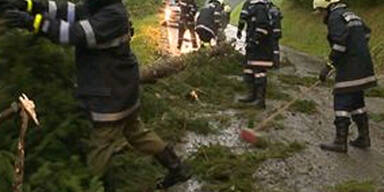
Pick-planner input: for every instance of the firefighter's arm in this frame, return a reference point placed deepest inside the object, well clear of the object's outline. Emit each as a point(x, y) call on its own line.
point(277, 30)
point(64, 10)
point(103, 27)
point(242, 20)
point(67, 11)
point(367, 32)
point(217, 17)
point(193, 9)
point(338, 33)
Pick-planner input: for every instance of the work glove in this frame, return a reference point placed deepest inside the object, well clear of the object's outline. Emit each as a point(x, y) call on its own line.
point(19, 19)
point(325, 72)
point(239, 34)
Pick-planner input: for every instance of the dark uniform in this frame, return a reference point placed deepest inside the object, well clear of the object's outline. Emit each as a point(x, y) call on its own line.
point(209, 21)
point(275, 18)
point(259, 49)
point(108, 78)
point(188, 10)
point(348, 37)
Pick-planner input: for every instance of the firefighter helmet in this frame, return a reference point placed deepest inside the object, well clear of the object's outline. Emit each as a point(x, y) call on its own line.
point(323, 3)
point(227, 9)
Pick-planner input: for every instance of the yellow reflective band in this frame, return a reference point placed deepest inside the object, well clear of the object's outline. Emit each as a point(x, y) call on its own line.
point(29, 5)
point(37, 23)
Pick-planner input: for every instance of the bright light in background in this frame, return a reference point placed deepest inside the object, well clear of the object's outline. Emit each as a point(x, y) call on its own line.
point(167, 14)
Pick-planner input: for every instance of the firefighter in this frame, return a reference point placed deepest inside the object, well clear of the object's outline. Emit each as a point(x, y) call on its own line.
point(348, 37)
point(209, 21)
point(188, 10)
point(108, 78)
point(259, 49)
point(275, 18)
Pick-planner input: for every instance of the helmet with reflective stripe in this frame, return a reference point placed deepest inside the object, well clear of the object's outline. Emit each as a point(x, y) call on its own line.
point(323, 3)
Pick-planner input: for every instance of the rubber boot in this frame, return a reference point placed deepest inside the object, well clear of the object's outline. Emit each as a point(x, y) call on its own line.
point(363, 140)
point(178, 171)
point(250, 96)
point(261, 88)
point(340, 142)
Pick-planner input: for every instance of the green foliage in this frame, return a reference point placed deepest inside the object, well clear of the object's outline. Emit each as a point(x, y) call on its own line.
point(354, 186)
point(304, 106)
point(221, 169)
point(275, 92)
point(377, 117)
point(44, 71)
point(146, 41)
point(235, 14)
point(6, 170)
point(169, 103)
point(376, 92)
point(141, 8)
point(295, 80)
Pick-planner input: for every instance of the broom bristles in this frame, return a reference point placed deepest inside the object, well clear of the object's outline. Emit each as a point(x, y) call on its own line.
point(249, 135)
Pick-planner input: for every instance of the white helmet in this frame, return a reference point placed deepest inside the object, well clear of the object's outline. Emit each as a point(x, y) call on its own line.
point(323, 3)
point(227, 9)
point(221, 1)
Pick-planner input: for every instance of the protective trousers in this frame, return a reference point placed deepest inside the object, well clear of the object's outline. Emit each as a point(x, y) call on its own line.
point(256, 80)
point(108, 139)
point(348, 105)
point(183, 26)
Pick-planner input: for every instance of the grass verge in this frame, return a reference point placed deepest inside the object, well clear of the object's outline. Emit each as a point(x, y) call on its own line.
point(354, 186)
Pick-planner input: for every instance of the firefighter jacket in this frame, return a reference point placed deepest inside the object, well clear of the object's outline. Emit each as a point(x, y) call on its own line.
point(210, 20)
point(348, 37)
point(188, 10)
point(259, 40)
point(107, 70)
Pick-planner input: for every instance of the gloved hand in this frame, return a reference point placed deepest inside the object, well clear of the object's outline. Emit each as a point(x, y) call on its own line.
point(325, 72)
point(239, 34)
point(19, 19)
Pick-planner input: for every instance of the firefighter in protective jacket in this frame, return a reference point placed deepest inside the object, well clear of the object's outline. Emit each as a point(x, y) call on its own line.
point(348, 37)
point(108, 77)
point(209, 21)
point(259, 49)
point(188, 10)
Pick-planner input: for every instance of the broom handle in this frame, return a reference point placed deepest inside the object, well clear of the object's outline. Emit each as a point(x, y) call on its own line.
point(263, 124)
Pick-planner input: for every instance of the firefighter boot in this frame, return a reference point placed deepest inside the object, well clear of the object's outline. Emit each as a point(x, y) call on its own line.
point(261, 88)
point(251, 96)
point(178, 171)
point(363, 140)
point(340, 142)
